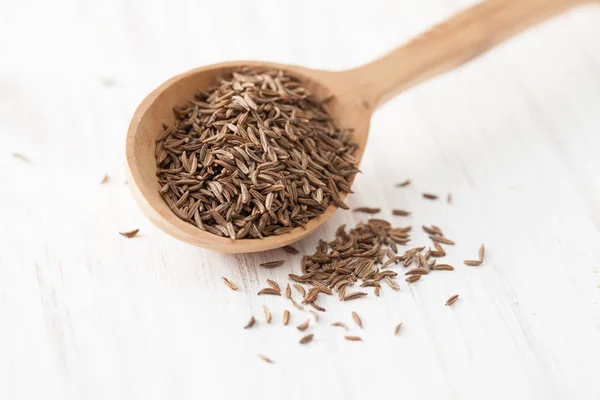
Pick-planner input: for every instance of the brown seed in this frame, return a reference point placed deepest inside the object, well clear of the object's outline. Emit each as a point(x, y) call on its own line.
point(430, 196)
point(286, 317)
point(290, 249)
point(367, 210)
point(451, 300)
point(104, 179)
point(413, 278)
point(354, 295)
point(21, 157)
point(353, 338)
point(306, 339)
point(267, 314)
point(250, 323)
point(311, 295)
point(288, 292)
point(401, 213)
point(357, 319)
point(265, 359)
point(481, 252)
point(472, 263)
point(449, 199)
point(270, 291)
point(272, 264)
point(317, 307)
point(129, 234)
point(397, 329)
point(229, 284)
point(303, 326)
point(442, 267)
point(340, 324)
point(298, 306)
point(392, 283)
point(404, 183)
point(300, 289)
point(418, 271)
point(314, 314)
point(273, 284)
point(441, 239)
point(377, 291)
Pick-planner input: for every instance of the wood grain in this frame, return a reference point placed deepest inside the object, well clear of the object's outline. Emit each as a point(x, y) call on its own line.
point(88, 314)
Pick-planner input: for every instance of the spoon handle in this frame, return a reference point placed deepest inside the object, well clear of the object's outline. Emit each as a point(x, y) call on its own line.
point(449, 45)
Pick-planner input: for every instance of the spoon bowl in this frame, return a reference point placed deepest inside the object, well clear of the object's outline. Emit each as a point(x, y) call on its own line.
point(355, 94)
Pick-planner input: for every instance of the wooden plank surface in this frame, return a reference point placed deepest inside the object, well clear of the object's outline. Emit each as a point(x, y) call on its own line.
point(514, 136)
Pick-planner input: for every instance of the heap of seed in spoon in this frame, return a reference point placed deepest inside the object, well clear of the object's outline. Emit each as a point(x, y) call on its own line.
point(256, 155)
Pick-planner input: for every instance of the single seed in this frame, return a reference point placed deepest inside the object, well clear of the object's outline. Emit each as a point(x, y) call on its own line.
point(413, 278)
point(266, 359)
point(290, 249)
point(340, 324)
point(288, 292)
point(315, 315)
point(129, 234)
point(303, 326)
point(442, 267)
point(451, 300)
point(430, 196)
point(357, 319)
point(267, 314)
point(270, 291)
point(317, 307)
point(392, 283)
point(472, 263)
point(273, 284)
point(442, 239)
point(418, 271)
point(306, 339)
point(298, 306)
point(367, 210)
point(377, 291)
point(286, 317)
point(105, 179)
point(403, 184)
point(21, 157)
point(272, 264)
point(401, 213)
point(229, 284)
point(250, 323)
point(300, 289)
point(481, 252)
point(449, 199)
point(354, 295)
point(397, 329)
point(353, 338)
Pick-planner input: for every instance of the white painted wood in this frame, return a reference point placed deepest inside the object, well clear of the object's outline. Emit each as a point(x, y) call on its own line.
point(515, 136)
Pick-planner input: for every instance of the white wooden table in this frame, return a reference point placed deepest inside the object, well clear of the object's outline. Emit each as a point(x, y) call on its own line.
point(514, 136)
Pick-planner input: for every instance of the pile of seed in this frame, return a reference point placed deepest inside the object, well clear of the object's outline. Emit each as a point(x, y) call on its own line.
point(256, 155)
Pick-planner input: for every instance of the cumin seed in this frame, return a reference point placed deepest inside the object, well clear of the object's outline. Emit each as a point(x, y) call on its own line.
point(451, 300)
point(229, 284)
point(129, 234)
point(307, 339)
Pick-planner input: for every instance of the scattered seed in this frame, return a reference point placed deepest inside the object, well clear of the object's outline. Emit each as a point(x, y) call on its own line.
point(357, 319)
point(288, 292)
point(317, 307)
point(290, 249)
point(401, 213)
point(451, 300)
point(392, 283)
point(441, 239)
point(340, 324)
point(300, 289)
point(430, 196)
point(404, 183)
point(286, 317)
point(306, 339)
point(449, 198)
point(250, 323)
point(270, 290)
point(353, 338)
point(418, 271)
point(442, 267)
point(377, 291)
point(21, 157)
point(472, 263)
point(104, 179)
point(315, 315)
point(367, 210)
point(397, 329)
point(272, 264)
point(229, 284)
point(303, 326)
point(274, 284)
point(481, 252)
point(354, 295)
point(413, 278)
point(298, 306)
point(267, 314)
point(265, 359)
point(129, 234)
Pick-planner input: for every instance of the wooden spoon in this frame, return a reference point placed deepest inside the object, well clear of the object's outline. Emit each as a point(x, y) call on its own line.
point(356, 94)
